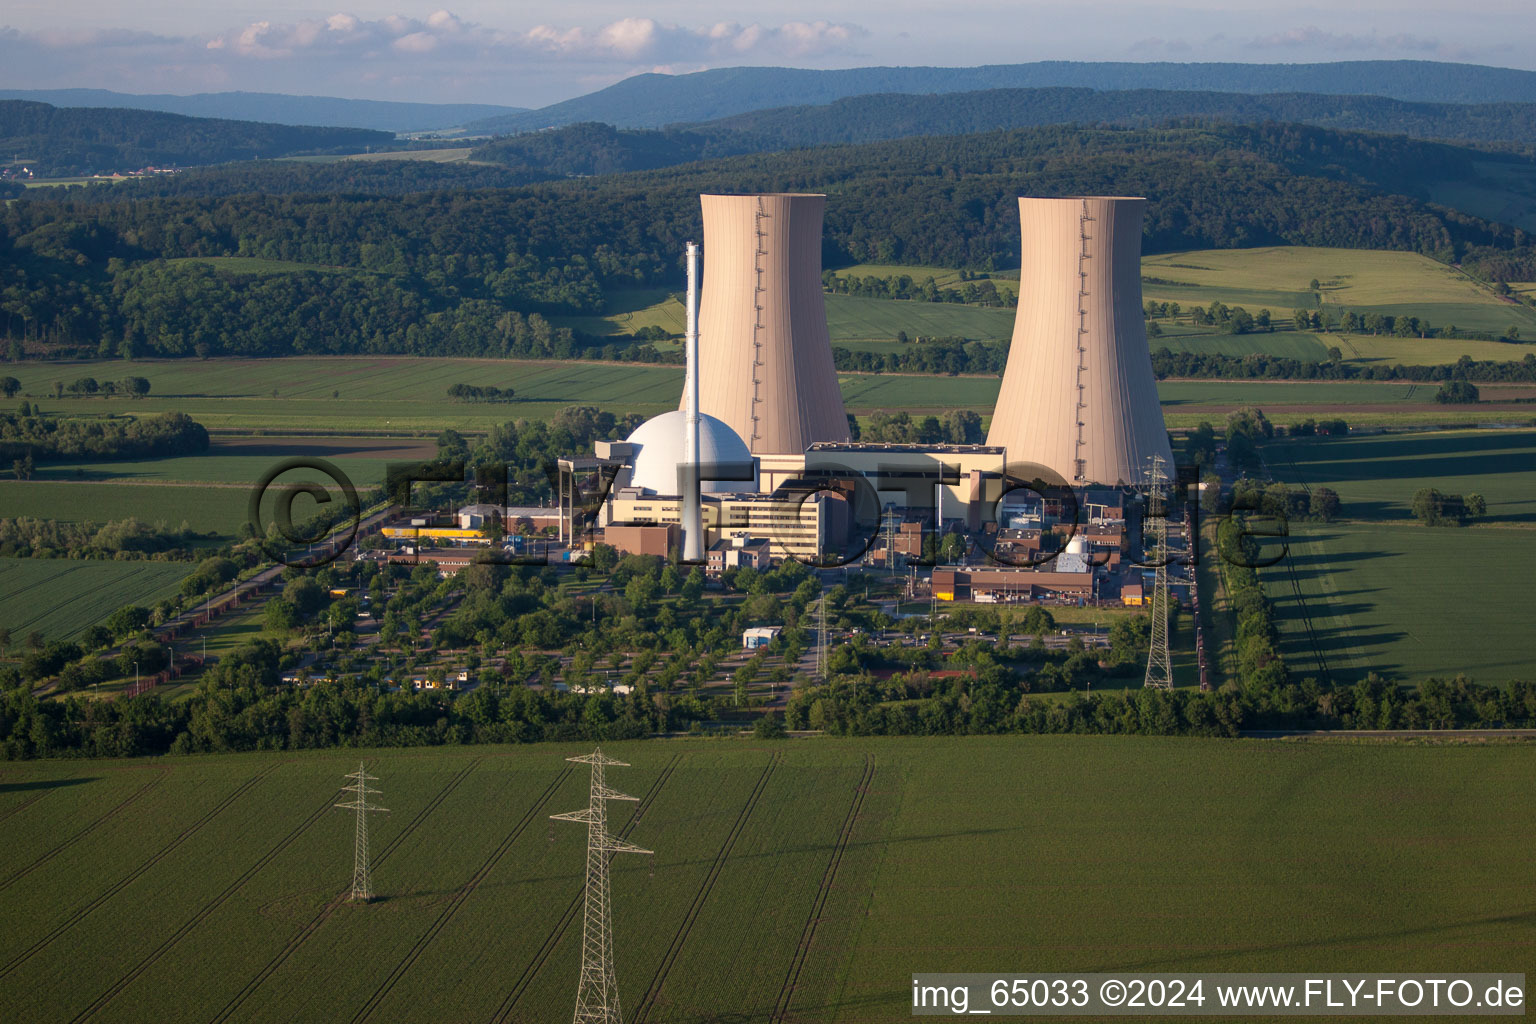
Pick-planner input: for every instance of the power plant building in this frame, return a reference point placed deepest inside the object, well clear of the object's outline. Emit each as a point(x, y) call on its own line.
point(1078, 396)
point(765, 355)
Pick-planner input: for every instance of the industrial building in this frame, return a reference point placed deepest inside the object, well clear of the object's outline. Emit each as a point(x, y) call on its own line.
point(765, 357)
point(1079, 397)
point(1075, 429)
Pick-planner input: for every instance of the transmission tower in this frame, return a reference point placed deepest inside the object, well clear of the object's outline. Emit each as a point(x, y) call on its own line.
point(597, 993)
point(362, 881)
point(821, 637)
point(1159, 663)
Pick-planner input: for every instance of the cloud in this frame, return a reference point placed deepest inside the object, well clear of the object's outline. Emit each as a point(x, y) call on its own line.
point(627, 39)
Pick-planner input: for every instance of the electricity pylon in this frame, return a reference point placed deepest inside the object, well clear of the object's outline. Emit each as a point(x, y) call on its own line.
point(597, 993)
point(821, 636)
point(362, 881)
point(1159, 662)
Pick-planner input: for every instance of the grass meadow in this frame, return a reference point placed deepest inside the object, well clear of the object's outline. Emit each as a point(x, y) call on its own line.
point(1380, 592)
point(63, 597)
point(800, 881)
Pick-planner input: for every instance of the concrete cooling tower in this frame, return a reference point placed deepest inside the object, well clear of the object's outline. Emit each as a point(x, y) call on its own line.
point(765, 357)
point(1078, 395)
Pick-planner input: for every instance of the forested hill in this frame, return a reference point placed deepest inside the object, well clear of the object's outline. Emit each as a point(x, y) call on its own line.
point(591, 148)
point(62, 141)
point(895, 116)
point(465, 272)
point(654, 100)
point(320, 111)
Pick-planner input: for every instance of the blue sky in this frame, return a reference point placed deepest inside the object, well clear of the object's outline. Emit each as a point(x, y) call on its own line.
point(531, 54)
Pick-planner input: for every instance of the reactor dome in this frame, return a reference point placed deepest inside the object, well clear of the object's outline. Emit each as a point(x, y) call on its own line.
point(662, 446)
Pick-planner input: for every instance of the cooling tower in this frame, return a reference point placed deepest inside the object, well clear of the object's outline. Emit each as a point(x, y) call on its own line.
point(1078, 395)
point(765, 358)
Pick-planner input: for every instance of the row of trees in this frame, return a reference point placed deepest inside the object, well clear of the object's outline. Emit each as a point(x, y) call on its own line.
point(902, 286)
point(28, 436)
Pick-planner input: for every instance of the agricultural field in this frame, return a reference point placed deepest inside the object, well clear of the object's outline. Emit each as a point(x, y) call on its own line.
point(208, 888)
point(64, 597)
point(397, 395)
point(1406, 601)
point(204, 509)
point(1377, 474)
point(1379, 592)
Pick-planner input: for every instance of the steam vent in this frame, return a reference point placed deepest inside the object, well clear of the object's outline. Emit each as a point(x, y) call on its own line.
point(1079, 396)
point(765, 357)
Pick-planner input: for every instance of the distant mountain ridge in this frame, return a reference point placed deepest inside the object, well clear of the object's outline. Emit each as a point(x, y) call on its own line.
point(62, 141)
point(592, 148)
point(278, 108)
point(656, 100)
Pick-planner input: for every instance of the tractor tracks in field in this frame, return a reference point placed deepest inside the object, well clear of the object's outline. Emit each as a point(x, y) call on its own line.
point(138, 872)
point(21, 873)
point(459, 898)
point(537, 963)
point(675, 948)
point(828, 879)
point(313, 925)
point(202, 915)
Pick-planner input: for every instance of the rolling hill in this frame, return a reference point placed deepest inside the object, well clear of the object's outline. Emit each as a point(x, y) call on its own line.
point(653, 100)
point(55, 141)
point(317, 111)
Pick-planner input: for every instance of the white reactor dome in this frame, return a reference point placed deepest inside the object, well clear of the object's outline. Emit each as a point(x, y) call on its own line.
point(663, 445)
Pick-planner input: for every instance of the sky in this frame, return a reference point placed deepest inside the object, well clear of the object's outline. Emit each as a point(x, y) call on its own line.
point(529, 55)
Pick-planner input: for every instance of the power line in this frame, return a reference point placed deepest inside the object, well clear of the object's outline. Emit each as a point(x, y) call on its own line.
point(362, 880)
point(597, 992)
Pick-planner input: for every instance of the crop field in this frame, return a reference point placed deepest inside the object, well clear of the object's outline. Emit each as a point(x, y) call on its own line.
point(799, 881)
point(202, 508)
point(392, 394)
point(1406, 601)
point(1380, 592)
point(1376, 475)
point(849, 318)
point(63, 597)
point(1287, 344)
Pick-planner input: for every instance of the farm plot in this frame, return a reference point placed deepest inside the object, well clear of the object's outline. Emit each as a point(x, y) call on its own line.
point(850, 318)
point(341, 393)
point(1405, 601)
point(64, 597)
point(794, 881)
point(204, 509)
point(1376, 475)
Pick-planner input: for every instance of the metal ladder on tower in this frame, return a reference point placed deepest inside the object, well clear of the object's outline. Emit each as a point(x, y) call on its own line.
point(759, 251)
point(1079, 461)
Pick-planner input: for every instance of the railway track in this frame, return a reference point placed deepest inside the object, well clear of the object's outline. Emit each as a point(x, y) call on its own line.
point(675, 948)
point(132, 876)
point(314, 923)
point(503, 1012)
point(459, 899)
point(21, 873)
point(202, 915)
point(828, 878)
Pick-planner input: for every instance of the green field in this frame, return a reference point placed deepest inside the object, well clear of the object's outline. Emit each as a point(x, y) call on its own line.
point(1382, 593)
point(393, 394)
point(802, 881)
point(217, 509)
point(1377, 474)
point(64, 597)
point(1353, 279)
point(1405, 601)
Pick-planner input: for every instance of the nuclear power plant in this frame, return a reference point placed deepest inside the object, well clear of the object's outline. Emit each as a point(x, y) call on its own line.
point(765, 355)
point(1078, 395)
point(762, 418)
